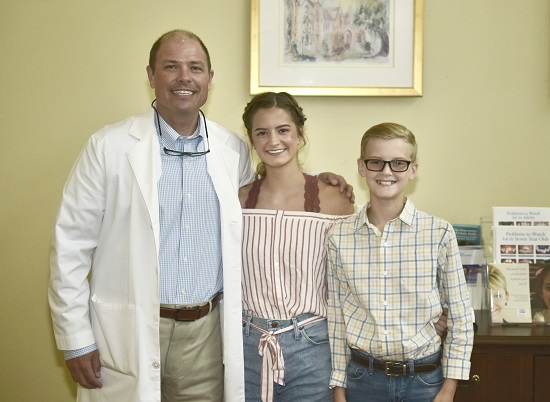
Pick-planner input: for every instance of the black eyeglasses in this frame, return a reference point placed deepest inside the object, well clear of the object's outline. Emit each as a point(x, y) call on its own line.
point(377, 165)
point(173, 152)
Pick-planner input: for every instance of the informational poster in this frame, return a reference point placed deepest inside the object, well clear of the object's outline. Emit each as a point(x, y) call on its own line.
point(521, 235)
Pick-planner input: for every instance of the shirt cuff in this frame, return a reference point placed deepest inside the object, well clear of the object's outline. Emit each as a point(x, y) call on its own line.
point(71, 354)
point(337, 379)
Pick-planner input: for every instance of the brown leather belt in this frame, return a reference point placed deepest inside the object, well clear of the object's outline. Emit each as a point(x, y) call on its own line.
point(395, 368)
point(190, 313)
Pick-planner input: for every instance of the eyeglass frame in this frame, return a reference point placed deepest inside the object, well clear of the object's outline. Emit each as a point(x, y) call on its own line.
point(389, 163)
point(173, 152)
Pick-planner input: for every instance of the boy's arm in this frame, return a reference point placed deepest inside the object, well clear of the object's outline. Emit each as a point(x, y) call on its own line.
point(336, 326)
point(458, 344)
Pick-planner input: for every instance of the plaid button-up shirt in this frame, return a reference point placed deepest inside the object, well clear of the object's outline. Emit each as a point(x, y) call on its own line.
point(387, 289)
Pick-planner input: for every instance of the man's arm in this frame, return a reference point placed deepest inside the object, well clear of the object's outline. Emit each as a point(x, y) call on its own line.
point(337, 180)
point(246, 173)
point(74, 239)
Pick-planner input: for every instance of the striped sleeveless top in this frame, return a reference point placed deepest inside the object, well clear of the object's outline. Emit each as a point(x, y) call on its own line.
point(283, 257)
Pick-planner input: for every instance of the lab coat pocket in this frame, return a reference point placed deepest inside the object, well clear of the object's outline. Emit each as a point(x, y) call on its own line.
point(115, 334)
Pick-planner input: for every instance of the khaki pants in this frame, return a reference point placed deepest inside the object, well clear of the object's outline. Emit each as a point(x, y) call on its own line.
point(191, 358)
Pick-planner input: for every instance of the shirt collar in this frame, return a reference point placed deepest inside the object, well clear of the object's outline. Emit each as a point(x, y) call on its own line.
point(170, 136)
point(406, 216)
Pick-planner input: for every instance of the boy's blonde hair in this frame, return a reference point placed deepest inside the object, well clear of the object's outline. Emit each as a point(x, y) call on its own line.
point(390, 131)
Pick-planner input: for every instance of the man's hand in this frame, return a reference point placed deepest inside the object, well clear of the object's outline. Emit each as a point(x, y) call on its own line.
point(441, 325)
point(85, 370)
point(337, 180)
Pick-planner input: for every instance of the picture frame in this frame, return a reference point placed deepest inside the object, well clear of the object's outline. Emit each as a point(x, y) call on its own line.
point(337, 47)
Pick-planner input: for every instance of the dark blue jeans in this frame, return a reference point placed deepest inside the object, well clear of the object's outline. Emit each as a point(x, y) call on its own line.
point(375, 386)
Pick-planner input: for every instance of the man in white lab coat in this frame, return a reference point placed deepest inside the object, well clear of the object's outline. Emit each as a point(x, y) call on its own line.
point(117, 220)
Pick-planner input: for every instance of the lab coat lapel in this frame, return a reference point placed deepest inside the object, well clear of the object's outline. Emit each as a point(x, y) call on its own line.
point(145, 161)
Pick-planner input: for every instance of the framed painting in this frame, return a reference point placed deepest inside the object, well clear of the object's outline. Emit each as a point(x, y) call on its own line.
point(337, 47)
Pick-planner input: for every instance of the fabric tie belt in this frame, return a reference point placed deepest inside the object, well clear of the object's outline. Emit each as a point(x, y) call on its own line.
point(273, 363)
point(395, 368)
point(190, 313)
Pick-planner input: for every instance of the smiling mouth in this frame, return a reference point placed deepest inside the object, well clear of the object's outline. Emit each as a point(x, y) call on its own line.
point(385, 183)
point(275, 151)
point(183, 92)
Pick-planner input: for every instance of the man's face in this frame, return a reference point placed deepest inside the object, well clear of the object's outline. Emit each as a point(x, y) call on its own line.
point(181, 78)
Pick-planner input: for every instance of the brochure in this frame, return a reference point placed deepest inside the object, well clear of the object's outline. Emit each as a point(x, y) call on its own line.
point(521, 234)
point(521, 216)
point(475, 273)
point(510, 293)
point(521, 244)
point(467, 235)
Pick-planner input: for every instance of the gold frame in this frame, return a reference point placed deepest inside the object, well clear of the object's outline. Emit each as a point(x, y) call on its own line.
point(414, 90)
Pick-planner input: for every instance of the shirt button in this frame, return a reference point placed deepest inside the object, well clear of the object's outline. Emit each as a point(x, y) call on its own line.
point(385, 303)
point(385, 273)
point(385, 332)
point(156, 365)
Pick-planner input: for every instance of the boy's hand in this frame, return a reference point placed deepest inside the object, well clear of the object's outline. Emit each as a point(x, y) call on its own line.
point(441, 325)
point(337, 180)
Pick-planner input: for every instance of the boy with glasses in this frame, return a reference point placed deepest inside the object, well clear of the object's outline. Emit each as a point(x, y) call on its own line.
point(391, 270)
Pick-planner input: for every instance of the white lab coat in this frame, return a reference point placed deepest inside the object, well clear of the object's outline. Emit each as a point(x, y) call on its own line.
point(109, 221)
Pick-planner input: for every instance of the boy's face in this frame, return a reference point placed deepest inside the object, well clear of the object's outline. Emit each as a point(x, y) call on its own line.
point(387, 185)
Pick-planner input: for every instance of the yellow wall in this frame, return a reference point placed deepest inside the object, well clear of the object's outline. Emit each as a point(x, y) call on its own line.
point(69, 67)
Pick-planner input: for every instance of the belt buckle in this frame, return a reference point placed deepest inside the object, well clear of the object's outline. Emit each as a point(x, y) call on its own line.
point(392, 365)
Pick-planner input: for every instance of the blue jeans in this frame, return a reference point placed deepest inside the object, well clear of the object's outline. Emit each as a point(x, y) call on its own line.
point(306, 355)
point(375, 386)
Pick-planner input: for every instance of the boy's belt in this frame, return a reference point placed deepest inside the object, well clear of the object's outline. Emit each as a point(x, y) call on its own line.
point(396, 368)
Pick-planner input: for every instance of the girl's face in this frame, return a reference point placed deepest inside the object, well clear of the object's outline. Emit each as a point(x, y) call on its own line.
point(275, 136)
point(545, 293)
point(500, 298)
